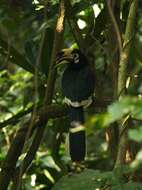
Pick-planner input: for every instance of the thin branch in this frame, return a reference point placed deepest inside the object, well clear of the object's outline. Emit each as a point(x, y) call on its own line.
point(16, 118)
point(14, 152)
point(36, 78)
point(72, 21)
point(49, 90)
point(56, 47)
point(129, 34)
point(116, 28)
point(39, 133)
point(8, 50)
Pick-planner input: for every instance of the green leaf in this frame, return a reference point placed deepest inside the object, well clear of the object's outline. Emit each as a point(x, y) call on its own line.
point(127, 105)
point(118, 109)
point(135, 134)
point(98, 121)
point(87, 180)
point(100, 24)
point(137, 162)
point(16, 57)
point(130, 186)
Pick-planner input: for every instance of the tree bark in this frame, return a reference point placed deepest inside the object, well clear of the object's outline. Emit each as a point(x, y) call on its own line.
point(122, 75)
point(114, 49)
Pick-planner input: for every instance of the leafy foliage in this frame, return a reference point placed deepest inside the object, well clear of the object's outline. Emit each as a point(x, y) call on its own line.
point(23, 26)
point(93, 179)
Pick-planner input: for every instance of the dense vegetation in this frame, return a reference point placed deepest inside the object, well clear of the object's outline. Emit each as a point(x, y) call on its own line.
point(34, 120)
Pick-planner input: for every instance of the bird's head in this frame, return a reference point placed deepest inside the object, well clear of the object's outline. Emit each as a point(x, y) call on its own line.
point(73, 57)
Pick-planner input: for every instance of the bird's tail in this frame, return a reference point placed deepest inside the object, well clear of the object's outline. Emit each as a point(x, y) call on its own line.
point(77, 143)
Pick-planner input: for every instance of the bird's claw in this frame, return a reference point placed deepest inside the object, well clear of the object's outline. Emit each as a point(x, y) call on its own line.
point(77, 167)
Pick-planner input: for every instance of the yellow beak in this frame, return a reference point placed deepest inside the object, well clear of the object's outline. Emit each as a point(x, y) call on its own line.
point(64, 57)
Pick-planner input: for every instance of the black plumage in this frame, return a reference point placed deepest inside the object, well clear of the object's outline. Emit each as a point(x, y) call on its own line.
point(77, 86)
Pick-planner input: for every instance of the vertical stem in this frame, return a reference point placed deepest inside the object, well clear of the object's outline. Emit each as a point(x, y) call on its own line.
point(56, 47)
point(9, 163)
point(122, 75)
point(129, 34)
point(114, 49)
point(50, 87)
point(114, 23)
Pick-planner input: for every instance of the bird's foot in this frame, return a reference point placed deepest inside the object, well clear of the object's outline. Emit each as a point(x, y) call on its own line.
point(77, 167)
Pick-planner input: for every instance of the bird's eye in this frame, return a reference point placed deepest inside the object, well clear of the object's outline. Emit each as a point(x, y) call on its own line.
point(76, 57)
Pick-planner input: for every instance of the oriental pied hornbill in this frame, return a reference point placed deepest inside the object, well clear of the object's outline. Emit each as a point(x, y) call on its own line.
point(77, 86)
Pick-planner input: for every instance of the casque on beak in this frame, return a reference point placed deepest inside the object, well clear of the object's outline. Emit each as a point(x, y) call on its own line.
point(64, 57)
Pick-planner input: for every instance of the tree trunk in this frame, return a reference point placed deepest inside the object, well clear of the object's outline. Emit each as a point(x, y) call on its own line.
point(113, 8)
point(122, 76)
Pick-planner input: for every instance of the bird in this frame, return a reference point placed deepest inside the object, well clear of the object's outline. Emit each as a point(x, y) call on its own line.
point(77, 86)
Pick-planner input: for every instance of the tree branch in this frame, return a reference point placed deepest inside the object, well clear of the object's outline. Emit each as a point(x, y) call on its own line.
point(15, 119)
point(115, 25)
point(129, 34)
point(122, 75)
point(74, 27)
point(49, 90)
point(8, 166)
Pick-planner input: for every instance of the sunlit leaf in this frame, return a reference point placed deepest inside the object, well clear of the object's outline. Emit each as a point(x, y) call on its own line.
point(127, 105)
point(136, 134)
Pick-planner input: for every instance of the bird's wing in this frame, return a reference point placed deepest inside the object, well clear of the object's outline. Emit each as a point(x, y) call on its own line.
point(78, 86)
